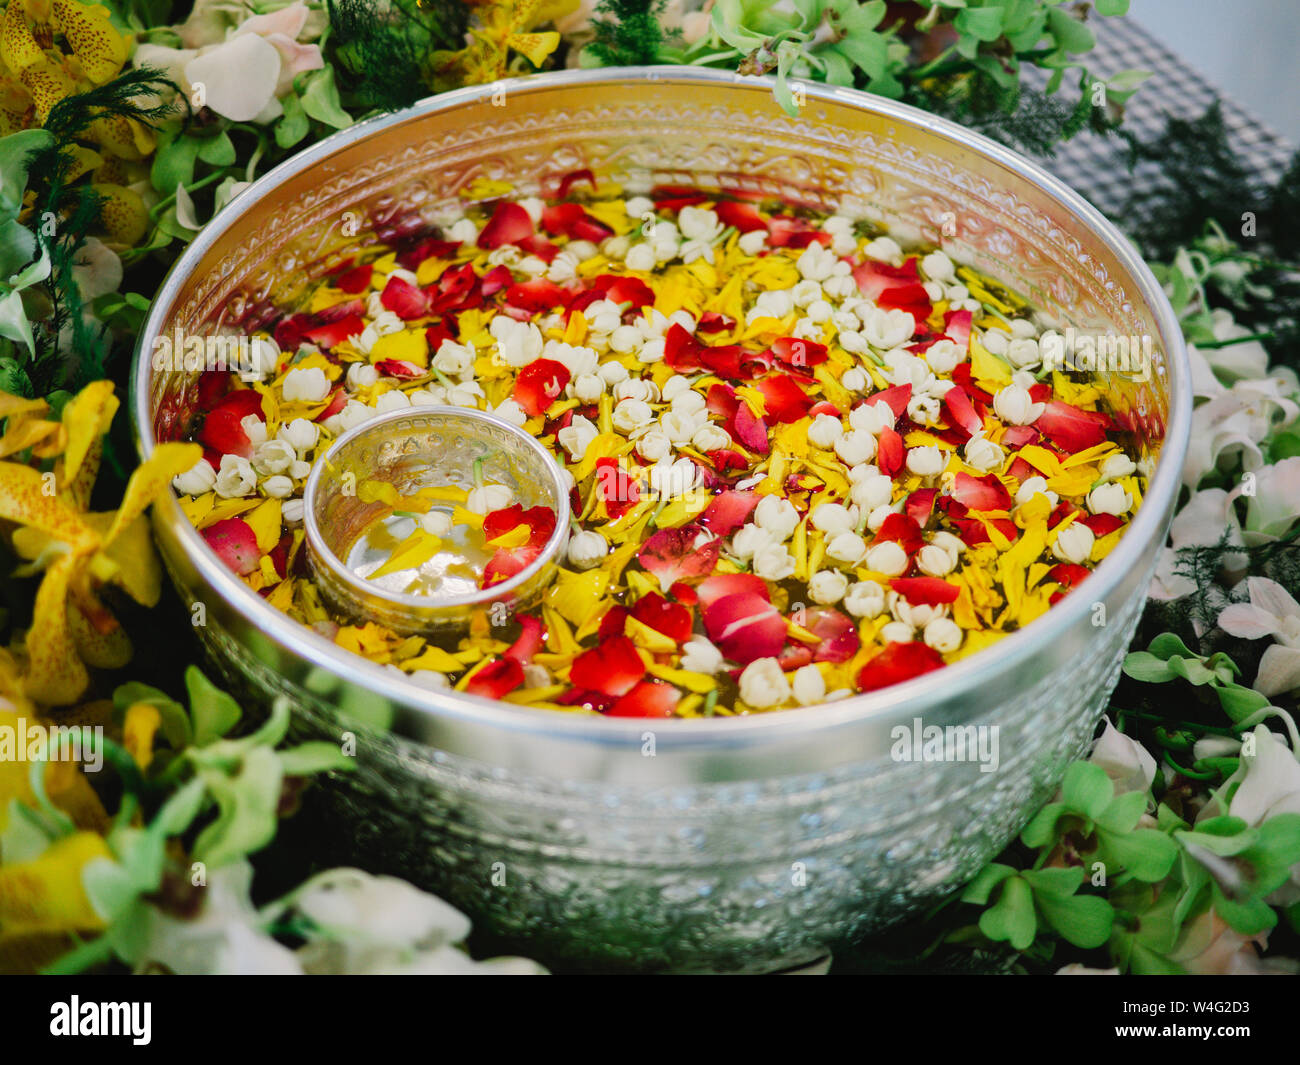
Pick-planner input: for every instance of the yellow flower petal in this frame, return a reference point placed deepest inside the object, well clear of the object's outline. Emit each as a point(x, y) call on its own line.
point(97, 45)
point(46, 893)
point(87, 417)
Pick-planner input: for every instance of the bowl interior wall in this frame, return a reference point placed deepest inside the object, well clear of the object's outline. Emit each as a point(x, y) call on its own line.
point(419, 172)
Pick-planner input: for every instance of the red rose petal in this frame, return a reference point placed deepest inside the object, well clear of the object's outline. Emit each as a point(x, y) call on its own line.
point(890, 452)
point(529, 641)
point(496, 679)
point(404, 299)
point(786, 231)
point(729, 511)
point(509, 224)
point(539, 295)
point(222, 430)
point(540, 384)
point(745, 627)
point(839, 635)
point(981, 493)
point(575, 177)
point(896, 398)
point(672, 555)
point(749, 430)
point(625, 290)
point(614, 623)
point(650, 698)
point(797, 354)
point(783, 400)
point(723, 584)
point(614, 667)
point(1103, 524)
point(507, 562)
point(333, 333)
point(1071, 429)
point(902, 530)
point(896, 663)
point(337, 401)
point(399, 368)
point(744, 216)
point(235, 543)
point(618, 490)
point(354, 280)
point(1017, 436)
point(920, 505)
point(956, 327)
point(961, 412)
point(671, 619)
point(925, 591)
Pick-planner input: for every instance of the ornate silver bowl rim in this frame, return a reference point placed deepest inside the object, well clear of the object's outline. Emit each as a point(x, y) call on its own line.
point(418, 707)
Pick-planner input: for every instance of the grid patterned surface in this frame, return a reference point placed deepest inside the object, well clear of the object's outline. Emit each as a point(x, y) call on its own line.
point(1096, 166)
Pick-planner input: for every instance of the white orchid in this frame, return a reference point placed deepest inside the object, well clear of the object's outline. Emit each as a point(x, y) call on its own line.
point(1235, 423)
point(1200, 523)
point(353, 923)
point(1272, 501)
point(242, 76)
point(1128, 764)
point(1271, 612)
point(1247, 359)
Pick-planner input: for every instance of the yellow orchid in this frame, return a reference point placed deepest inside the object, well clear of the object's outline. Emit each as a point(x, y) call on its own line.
point(78, 551)
point(53, 49)
point(504, 29)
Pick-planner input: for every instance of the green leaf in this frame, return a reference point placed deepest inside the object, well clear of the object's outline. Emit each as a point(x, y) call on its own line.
point(1167, 645)
point(1041, 829)
point(867, 51)
point(1249, 916)
point(1119, 87)
point(175, 722)
point(213, 712)
point(174, 163)
point(982, 23)
point(15, 161)
point(320, 99)
point(1060, 883)
point(294, 124)
point(1084, 920)
point(1124, 812)
point(1087, 789)
point(218, 150)
point(1071, 33)
point(247, 807)
point(1011, 919)
point(179, 811)
point(1239, 702)
point(1146, 854)
point(1192, 671)
point(1146, 667)
point(979, 889)
point(315, 757)
point(1112, 7)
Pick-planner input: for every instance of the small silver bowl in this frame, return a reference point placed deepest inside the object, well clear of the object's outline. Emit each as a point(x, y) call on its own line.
point(425, 447)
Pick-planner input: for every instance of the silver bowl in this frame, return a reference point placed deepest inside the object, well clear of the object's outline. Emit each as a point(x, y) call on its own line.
point(744, 844)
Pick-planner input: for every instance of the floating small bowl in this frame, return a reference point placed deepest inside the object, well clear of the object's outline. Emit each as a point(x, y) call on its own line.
point(411, 449)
